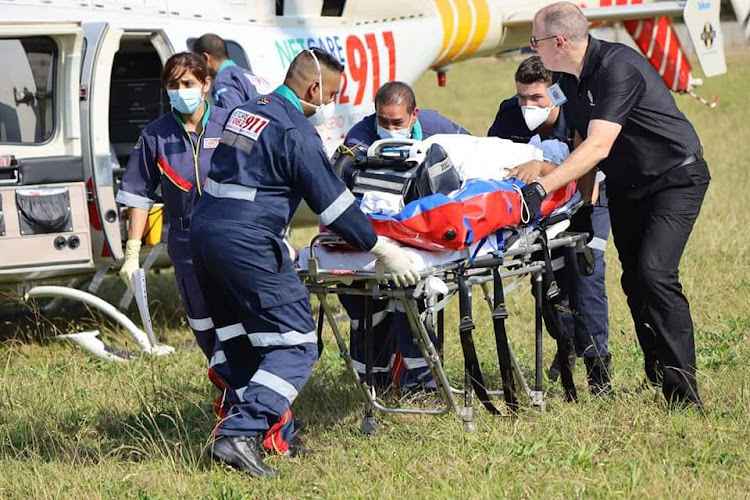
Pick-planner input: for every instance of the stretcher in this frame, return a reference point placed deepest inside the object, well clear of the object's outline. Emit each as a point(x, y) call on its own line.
point(497, 264)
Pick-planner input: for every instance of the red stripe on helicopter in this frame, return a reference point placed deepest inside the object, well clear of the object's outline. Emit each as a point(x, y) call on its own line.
point(657, 40)
point(172, 175)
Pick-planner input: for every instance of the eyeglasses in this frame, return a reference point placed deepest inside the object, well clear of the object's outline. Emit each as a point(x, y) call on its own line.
point(534, 41)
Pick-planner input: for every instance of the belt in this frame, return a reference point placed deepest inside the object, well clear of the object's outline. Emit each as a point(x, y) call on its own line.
point(182, 223)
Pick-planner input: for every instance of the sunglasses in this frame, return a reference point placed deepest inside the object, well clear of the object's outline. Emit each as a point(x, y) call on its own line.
point(534, 41)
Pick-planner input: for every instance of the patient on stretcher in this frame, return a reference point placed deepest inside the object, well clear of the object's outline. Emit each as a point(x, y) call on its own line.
point(441, 220)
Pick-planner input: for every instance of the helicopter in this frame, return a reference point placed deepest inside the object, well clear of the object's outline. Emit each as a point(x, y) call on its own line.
point(82, 79)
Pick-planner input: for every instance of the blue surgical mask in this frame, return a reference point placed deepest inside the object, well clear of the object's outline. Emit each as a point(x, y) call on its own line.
point(401, 133)
point(185, 101)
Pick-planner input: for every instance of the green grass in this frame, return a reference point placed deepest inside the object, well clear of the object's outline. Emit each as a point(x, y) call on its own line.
point(76, 427)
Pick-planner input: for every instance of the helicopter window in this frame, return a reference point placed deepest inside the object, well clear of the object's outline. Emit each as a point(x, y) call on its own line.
point(27, 89)
point(333, 8)
point(235, 50)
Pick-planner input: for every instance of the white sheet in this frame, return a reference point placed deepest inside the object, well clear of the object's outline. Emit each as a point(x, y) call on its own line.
point(352, 260)
point(480, 157)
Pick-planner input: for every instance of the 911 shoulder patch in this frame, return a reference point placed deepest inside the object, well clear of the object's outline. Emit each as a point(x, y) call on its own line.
point(246, 124)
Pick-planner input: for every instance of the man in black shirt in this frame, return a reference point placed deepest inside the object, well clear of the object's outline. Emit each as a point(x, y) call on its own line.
point(584, 317)
point(656, 181)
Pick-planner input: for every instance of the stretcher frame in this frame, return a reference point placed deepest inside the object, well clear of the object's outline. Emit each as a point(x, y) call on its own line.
point(518, 262)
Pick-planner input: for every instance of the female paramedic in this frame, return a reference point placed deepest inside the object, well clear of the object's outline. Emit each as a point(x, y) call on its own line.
point(175, 151)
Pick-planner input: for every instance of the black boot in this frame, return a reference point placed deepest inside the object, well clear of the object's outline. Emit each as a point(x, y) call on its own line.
point(597, 372)
point(242, 453)
point(554, 368)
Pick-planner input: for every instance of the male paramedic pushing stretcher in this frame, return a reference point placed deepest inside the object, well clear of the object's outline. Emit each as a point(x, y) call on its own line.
point(270, 157)
point(656, 181)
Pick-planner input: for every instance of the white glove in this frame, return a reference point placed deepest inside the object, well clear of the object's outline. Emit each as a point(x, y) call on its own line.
point(131, 262)
point(397, 262)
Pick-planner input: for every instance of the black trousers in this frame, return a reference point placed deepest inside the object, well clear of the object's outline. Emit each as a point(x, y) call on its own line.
point(650, 234)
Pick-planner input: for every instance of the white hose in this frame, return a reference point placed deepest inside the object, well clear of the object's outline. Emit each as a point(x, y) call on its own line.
point(79, 295)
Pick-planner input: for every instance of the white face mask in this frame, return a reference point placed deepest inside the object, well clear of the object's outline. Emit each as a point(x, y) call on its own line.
point(534, 116)
point(401, 133)
point(322, 111)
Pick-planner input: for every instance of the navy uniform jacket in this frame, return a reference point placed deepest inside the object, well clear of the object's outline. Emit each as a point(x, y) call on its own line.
point(269, 159)
point(509, 124)
point(234, 85)
point(167, 154)
point(429, 122)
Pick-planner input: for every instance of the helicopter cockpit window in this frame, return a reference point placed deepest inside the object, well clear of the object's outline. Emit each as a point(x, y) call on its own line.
point(235, 52)
point(27, 104)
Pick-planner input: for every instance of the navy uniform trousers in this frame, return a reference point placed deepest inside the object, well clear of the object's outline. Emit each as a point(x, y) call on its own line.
point(196, 308)
point(397, 361)
point(584, 317)
point(262, 315)
point(650, 234)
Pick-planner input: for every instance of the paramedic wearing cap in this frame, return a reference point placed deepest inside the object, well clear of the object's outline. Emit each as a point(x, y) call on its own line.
point(529, 113)
point(656, 181)
point(397, 360)
point(175, 152)
point(269, 159)
point(232, 85)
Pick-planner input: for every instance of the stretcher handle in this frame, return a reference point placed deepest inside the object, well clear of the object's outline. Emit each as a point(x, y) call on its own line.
point(376, 148)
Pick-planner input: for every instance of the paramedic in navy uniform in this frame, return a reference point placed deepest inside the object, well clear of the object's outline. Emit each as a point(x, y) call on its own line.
point(175, 152)
point(397, 360)
point(269, 159)
point(232, 84)
point(656, 181)
point(528, 113)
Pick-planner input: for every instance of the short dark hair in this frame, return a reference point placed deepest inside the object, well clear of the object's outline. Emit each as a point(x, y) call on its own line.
point(396, 93)
point(327, 60)
point(182, 62)
point(213, 45)
point(532, 70)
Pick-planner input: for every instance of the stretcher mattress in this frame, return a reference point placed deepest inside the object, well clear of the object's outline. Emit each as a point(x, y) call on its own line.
point(346, 261)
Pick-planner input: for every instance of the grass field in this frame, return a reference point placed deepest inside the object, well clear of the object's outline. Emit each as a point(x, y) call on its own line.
point(76, 427)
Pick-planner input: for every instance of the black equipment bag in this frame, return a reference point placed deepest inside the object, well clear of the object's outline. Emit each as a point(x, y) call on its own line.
point(44, 210)
point(395, 173)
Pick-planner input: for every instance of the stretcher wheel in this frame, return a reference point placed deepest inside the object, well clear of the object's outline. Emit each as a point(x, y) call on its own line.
point(586, 262)
point(368, 425)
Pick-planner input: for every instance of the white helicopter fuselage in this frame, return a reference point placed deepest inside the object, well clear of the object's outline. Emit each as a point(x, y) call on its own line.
point(83, 79)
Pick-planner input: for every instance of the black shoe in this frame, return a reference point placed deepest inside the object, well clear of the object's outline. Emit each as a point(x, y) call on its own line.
point(242, 453)
point(554, 368)
point(597, 373)
point(298, 426)
point(297, 448)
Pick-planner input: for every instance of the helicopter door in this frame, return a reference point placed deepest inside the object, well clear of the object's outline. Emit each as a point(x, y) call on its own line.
point(43, 219)
point(102, 42)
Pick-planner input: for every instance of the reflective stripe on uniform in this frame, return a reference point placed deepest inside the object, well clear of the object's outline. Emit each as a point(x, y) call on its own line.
point(229, 332)
point(361, 369)
point(336, 208)
point(269, 339)
point(598, 244)
point(234, 191)
point(218, 358)
point(413, 363)
point(276, 384)
point(200, 324)
point(377, 318)
point(558, 263)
